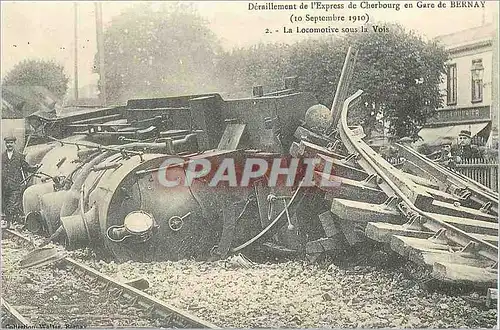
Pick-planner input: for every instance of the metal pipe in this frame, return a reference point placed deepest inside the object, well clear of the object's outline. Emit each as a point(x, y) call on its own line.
point(343, 85)
point(75, 6)
point(70, 204)
point(100, 52)
point(100, 147)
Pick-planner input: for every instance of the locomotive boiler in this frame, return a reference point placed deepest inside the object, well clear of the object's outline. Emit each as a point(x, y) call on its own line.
point(101, 183)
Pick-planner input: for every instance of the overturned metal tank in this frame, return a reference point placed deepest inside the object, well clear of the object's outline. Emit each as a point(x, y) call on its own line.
point(100, 181)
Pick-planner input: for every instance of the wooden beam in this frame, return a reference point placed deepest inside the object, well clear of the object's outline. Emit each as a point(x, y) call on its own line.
point(364, 212)
point(429, 258)
point(229, 225)
point(449, 179)
point(328, 223)
point(469, 225)
point(403, 245)
point(493, 239)
point(340, 168)
point(457, 211)
point(415, 193)
point(349, 189)
point(18, 317)
point(302, 133)
point(442, 196)
point(412, 168)
point(461, 274)
point(383, 232)
point(423, 181)
point(307, 149)
point(354, 232)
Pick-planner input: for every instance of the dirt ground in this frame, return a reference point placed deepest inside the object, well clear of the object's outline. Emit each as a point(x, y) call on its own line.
point(300, 295)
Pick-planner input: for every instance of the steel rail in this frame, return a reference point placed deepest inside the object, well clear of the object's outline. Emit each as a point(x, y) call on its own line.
point(480, 193)
point(447, 173)
point(373, 162)
point(352, 149)
point(21, 321)
point(144, 300)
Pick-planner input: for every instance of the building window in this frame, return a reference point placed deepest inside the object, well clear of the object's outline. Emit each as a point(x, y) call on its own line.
point(477, 72)
point(451, 84)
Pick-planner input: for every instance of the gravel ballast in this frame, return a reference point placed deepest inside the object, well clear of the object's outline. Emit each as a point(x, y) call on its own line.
point(53, 297)
point(299, 295)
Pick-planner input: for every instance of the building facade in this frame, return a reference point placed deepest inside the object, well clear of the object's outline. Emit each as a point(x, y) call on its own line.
point(469, 88)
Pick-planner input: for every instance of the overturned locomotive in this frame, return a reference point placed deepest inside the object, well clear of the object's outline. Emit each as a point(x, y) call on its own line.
point(100, 182)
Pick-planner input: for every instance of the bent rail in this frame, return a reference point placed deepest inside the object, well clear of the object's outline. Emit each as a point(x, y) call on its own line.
point(411, 197)
point(452, 181)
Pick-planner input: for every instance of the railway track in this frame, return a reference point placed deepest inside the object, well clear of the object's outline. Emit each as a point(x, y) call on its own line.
point(71, 294)
point(423, 211)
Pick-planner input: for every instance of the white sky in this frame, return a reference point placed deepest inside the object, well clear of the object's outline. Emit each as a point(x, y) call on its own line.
point(45, 29)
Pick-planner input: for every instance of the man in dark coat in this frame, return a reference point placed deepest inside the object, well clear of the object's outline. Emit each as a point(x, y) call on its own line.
point(14, 171)
point(466, 150)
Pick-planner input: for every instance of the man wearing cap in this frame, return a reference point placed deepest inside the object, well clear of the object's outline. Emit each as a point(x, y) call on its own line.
point(465, 148)
point(14, 169)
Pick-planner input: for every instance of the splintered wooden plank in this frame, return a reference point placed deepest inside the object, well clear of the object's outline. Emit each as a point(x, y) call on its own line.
point(429, 257)
point(328, 223)
point(403, 245)
point(493, 239)
point(423, 181)
point(302, 133)
point(308, 149)
point(442, 196)
point(411, 168)
point(340, 168)
point(364, 212)
point(457, 211)
point(469, 225)
point(347, 188)
point(383, 232)
point(462, 274)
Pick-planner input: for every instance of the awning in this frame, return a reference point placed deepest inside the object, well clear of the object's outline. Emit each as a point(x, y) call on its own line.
point(448, 134)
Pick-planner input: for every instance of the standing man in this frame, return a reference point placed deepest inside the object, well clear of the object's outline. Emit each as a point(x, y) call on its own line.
point(465, 148)
point(14, 171)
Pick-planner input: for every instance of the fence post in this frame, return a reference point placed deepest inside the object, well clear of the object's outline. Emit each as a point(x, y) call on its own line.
point(483, 170)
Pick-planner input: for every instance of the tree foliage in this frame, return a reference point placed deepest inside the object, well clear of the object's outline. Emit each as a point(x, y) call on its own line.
point(398, 72)
point(39, 73)
point(157, 49)
point(400, 75)
point(167, 50)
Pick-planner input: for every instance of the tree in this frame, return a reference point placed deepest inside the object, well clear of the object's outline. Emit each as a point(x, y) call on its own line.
point(398, 72)
point(400, 75)
point(261, 64)
point(39, 73)
point(154, 50)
